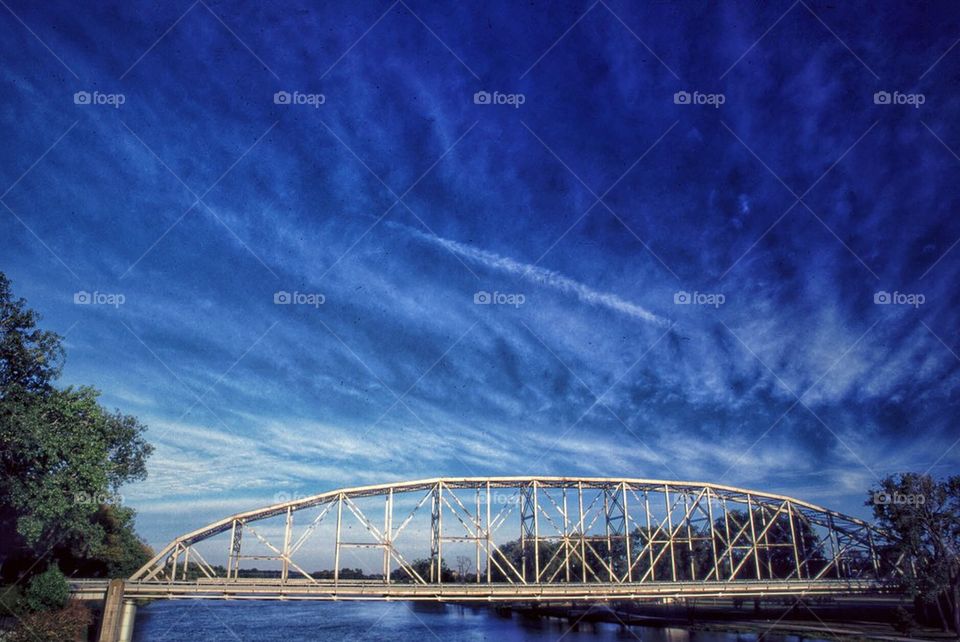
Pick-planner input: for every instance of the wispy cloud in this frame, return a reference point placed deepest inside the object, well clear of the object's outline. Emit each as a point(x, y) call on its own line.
point(541, 277)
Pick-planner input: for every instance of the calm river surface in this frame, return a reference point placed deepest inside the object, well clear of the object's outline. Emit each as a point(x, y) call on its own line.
point(178, 621)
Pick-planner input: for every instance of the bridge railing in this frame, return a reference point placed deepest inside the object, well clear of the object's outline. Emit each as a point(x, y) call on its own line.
point(534, 531)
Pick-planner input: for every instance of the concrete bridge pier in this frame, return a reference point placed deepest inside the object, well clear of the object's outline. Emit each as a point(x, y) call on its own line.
point(127, 617)
point(118, 615)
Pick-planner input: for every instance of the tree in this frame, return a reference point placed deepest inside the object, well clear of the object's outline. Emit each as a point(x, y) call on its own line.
point(30, 358)
point(464, 564)
point(423, 568)
point(923, 516)
point(47, 591)
point(63, 458)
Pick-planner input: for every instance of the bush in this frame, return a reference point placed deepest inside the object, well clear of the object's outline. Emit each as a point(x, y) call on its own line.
point(903, 621)
point(47, 591)
point(69, 623)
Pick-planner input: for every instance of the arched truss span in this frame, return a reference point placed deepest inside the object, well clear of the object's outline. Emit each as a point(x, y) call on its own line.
point(534, 536)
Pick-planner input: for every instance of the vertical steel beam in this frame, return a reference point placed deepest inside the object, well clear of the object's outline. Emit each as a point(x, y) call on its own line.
point(688, 519)
point(336, 554)
point(566, 535)
point(653, 561)
point(387, 535)
point(583, 542)
point(489, 534)
point(673, 561)
point(874, 558)
point(753, 535)
point(606, 531)
point(726, 527)
point(186, 562)
point(440, 532)
point(176, 556)
point(287, 533)
point(233, 532)
point(436, 558)
point(626, 531)
point(526, 527)
point(536, 534)
point(476, 525)
point(713, 536)
point(834, 545)
point(236, 543)
point(766, 538)
point(793, 540)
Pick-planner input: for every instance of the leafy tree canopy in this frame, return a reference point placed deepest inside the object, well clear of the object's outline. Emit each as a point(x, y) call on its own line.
point(923, 515)
point(63, 457)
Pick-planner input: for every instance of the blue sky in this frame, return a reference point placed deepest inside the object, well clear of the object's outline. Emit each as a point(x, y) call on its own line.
point(387, 193)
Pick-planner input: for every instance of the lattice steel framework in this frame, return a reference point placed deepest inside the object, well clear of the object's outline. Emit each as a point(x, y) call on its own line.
point(589, 532)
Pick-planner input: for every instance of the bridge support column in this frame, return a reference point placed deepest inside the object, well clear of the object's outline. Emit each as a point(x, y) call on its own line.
point(127, 617)
point(113, 607)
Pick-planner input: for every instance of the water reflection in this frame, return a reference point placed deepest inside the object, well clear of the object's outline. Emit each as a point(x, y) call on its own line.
point(179, 621)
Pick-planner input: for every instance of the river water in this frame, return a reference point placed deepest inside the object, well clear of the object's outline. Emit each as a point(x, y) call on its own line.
point(179, 621)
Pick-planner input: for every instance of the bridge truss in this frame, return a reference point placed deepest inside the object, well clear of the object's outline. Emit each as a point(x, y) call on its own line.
point(543, 538)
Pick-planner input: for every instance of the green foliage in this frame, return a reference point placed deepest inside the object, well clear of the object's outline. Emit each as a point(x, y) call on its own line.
point(122, 552)
point(30, 358)
point(423, 568)
point(47, 591)
point(923, 515)
point(63, 458)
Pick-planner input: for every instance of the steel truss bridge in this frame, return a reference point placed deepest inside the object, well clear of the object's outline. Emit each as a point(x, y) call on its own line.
point(526, 539)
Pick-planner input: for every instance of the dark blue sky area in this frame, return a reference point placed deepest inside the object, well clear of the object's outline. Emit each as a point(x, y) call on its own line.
point(711, 241)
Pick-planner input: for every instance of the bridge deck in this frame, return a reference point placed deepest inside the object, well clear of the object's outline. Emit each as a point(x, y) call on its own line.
point(265, 589)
